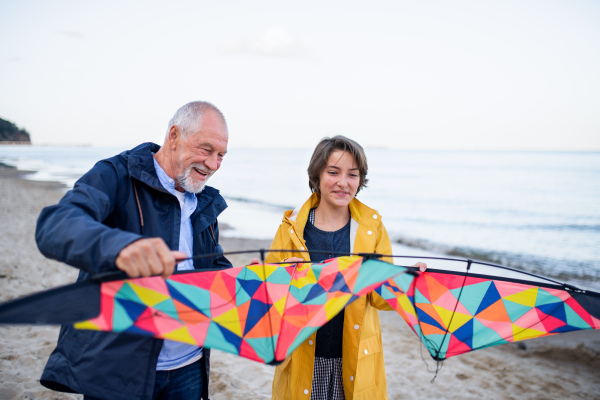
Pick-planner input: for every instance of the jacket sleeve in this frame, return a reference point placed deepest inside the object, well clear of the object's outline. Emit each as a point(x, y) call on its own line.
point(73, 232)
point(281, 238)
point(383, 246)
point(283, 241)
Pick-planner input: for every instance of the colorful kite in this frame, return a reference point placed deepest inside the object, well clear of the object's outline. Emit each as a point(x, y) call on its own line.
point(261, 311)
point(264, 311)
point(470, 305)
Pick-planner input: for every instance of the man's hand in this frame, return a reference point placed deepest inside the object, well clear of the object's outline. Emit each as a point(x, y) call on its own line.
point(147, 257)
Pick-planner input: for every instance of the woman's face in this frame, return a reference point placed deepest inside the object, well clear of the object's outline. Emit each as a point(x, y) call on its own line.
point(339, 180)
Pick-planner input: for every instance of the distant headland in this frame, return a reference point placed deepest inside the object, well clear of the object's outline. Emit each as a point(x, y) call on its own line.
point(10, 134)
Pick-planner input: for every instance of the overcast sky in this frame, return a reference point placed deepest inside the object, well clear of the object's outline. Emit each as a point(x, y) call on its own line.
point(508, 74)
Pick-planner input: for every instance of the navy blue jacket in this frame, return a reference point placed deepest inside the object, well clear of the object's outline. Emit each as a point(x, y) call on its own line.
point(87, 229)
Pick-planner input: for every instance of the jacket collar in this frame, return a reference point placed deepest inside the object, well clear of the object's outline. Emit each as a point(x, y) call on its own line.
point(359, 212)
point(140, 164)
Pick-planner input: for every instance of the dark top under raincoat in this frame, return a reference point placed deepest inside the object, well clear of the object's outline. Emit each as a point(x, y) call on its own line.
point(87, 229)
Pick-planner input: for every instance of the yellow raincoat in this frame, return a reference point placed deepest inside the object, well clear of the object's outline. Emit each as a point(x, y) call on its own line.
point(363, 368)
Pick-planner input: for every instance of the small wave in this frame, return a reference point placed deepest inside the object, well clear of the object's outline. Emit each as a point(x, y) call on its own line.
point(588, 227)
point(4, 165)
point(276, 207)
point(575, 227)
point(579, 272)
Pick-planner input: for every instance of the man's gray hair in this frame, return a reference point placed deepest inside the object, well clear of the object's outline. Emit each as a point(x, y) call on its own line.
point(189, 117)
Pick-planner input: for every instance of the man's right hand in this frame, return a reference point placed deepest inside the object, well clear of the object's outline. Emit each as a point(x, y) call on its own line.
point(147, 257)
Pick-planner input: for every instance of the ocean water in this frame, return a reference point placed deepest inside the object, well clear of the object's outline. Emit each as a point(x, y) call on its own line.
point(534, 211)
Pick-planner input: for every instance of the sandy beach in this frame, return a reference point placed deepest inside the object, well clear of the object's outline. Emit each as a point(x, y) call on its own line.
point(558, 367)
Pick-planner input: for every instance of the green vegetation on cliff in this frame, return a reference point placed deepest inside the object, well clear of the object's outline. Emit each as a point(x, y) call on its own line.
point(10, 133)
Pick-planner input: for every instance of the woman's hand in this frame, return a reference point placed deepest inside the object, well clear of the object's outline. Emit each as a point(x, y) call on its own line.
point(293, 260)
point(287, 260)
point(422, 266)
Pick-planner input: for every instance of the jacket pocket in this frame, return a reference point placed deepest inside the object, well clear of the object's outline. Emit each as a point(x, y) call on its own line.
point(369, 346)
point(368, 366)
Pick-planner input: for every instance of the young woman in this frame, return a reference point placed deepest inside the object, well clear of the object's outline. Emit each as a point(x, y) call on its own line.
point(344, 358)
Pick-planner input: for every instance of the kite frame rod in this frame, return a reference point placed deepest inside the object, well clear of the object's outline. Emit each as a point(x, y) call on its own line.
point(377, 255)
point(121, 275)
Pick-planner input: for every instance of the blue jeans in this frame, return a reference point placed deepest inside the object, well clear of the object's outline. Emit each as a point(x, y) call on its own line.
point(180, 384)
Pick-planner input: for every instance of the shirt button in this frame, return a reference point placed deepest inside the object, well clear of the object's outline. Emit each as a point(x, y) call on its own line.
point(305, 391)
point(369, 233)
point(374, 216)
point(310, 342)
point(356, 327)
point(366, 352)
point(351, 378)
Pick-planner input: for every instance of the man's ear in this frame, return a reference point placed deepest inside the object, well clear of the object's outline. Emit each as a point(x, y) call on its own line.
point(174, 137)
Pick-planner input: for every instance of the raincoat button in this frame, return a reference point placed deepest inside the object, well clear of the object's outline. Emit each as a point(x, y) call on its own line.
point(351, 378)
point(369, 233)
point(374, 216)
point(366, 352)
point(305, 391)
point(292, 231)
point(356, 327)
point(310, 342)
point(302, 248)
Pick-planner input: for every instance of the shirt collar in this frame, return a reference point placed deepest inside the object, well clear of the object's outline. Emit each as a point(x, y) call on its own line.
point(169, 184)
point(165, 180)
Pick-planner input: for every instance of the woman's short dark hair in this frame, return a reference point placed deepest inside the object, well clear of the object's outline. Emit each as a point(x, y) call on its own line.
point(318, 161)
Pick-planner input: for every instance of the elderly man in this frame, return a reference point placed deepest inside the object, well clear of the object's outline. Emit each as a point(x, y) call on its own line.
point(139, 212)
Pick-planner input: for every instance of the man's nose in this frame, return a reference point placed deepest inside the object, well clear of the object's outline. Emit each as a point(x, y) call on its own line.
point(212, 162)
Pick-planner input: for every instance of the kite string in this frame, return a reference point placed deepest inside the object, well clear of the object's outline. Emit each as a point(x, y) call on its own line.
point(462, 286)
point(437, 356)
point(424, 340)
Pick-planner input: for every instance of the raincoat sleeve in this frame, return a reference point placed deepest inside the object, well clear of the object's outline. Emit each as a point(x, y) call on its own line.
point(281, 241)
point(383, 246)
point(73, 231)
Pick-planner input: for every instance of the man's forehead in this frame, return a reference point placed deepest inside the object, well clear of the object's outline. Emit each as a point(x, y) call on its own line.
point(216, 139)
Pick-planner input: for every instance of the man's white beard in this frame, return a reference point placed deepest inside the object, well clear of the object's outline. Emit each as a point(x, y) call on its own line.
point(190, 184)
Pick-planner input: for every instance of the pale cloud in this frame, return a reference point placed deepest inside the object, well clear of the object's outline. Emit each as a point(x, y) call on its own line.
point(72, 34)
point(274, 41)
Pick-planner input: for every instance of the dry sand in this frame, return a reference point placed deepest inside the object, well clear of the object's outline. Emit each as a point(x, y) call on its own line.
point(559, 367)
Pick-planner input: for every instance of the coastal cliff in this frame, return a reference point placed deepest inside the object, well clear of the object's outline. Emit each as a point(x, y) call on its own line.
point(10, 134)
